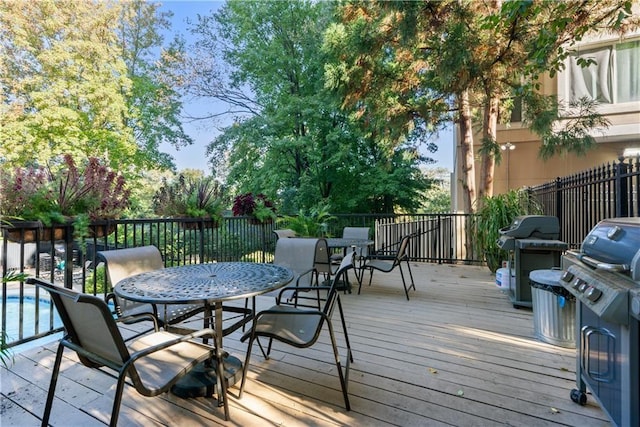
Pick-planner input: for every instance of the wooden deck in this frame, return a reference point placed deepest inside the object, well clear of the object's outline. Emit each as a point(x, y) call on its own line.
point(457, 354)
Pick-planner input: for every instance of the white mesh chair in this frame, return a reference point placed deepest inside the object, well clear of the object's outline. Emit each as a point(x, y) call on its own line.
point(153, 362)
point(300, 327)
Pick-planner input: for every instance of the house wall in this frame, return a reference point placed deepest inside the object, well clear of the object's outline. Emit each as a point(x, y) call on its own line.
point(523, 166)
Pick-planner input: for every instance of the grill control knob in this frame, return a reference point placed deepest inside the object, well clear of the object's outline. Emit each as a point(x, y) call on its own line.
point(567, 277)
point(576, 284)
point(635, 305)
point(593, 294)
point(583, 287)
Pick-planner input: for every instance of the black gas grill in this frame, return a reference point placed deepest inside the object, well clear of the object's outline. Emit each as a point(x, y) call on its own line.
point(532, 245)
point(604, 276)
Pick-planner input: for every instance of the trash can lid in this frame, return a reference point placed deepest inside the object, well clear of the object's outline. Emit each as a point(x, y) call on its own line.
point(548, 280)
point(546, 277)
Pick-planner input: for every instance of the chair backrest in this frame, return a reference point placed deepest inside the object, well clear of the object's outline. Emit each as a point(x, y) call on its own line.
point(402, 253)
point(89, 325)
point(357, 233)
point(298, 254)
point(122, 263)
point(322, 261)
point(340, 277)
point(284, 232)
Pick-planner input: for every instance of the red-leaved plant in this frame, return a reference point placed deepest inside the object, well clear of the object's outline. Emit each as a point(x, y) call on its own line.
point(258, 207)
point(61, 191)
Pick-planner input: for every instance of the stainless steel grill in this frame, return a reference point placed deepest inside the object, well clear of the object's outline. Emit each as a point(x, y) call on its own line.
point(532, 245)
point(604, 277)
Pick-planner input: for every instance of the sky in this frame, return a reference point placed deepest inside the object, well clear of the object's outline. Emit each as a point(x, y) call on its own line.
point(193, 156)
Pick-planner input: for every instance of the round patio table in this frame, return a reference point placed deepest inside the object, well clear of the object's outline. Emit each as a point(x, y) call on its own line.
point(210, 284)
point(339, 242)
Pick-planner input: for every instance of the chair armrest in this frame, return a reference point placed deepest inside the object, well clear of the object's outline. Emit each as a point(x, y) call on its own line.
point(111, 297)
point(294, 289)
point(310, 271)
point(138, 317)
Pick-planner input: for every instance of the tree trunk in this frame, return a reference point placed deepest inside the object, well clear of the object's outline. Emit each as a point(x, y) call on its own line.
point(467, 167)
point(489, 135)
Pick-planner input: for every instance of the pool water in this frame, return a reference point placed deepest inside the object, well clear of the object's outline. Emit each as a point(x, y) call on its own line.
point(28, 312)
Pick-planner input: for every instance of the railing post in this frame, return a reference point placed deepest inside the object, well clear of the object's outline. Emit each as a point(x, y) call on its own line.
point(621, 189)
point(559, 198)
point(68, 255)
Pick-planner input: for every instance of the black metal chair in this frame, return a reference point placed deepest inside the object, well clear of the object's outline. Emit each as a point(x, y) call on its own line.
point(386, 263)
point(300, 326)
point(153, 362)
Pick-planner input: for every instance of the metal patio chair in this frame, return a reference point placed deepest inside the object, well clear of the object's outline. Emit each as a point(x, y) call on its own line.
point(299, 255)
point(360, 233)
point(386, 263)
point(284, 233)
point(121, 263)
point(153, 363)
point(300, 326)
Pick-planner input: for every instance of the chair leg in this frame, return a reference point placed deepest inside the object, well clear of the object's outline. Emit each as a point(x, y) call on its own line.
point(344, 329)
point(343, 376)
point(404, 284)
point(413, 285)
point(370, 279)
point(245, 368)
point(115, 412)
point(52, 385)
point(265, 354)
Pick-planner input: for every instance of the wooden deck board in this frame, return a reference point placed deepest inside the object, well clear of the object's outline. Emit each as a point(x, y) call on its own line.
point(457, 353)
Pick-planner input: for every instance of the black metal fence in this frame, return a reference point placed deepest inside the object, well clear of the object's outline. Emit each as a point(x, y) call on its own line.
point(58, 256)
point(581, 200)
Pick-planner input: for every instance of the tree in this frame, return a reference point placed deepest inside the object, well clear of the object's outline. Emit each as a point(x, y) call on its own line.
point(63, 82)
point(442, 60)
point(291, 139)
point(88, 79)
point(154, 101)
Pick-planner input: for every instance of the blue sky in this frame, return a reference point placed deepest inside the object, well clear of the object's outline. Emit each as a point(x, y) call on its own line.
point(193, 157)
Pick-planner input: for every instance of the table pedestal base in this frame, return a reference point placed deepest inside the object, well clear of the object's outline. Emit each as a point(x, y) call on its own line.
point(201, 381)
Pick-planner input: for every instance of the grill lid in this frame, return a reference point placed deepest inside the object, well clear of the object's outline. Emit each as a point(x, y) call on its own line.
point(536, 226)
point(614, 244)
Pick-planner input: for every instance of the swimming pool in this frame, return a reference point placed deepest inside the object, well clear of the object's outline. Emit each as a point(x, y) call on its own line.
point(27, 311)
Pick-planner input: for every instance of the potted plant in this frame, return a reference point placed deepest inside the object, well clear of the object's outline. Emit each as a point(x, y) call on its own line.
point(59, 194)
point(260, 209)
point(314, 223)
point(498, 212)
point(191, 197)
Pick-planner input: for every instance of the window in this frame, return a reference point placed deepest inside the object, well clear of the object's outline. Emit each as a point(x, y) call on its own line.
point(613, 77)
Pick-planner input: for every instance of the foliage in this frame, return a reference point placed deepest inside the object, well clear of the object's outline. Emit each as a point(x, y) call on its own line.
point(292, 137)
point(498, 212)
point(62, 191)
point(417, 64)
point(89, 79)
point(258, 207)
point(314, 223)
point(189, 196)
point(154, 101)
point(438, 198)
point(63, 83)
point(100, 277)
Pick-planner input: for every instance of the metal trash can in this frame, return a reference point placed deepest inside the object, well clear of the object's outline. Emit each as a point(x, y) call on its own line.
point(554, 309)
